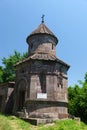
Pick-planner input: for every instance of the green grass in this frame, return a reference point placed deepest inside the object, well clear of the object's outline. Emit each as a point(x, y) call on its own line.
point(67, 125)
point(14, 123)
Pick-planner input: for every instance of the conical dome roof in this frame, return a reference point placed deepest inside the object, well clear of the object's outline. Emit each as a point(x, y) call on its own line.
point(42, 29)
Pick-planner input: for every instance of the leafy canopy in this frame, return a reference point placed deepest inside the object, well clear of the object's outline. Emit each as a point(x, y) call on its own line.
point(7, 73)
point(77, 96)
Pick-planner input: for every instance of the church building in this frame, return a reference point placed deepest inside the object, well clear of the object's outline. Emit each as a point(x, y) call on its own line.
point(40, 88)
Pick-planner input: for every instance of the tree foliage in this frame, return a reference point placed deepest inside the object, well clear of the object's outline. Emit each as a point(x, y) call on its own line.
point(77, 96)
point(7, 72)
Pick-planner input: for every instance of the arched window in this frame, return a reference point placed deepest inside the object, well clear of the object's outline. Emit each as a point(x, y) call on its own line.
point(53, 47)
point(60, 80)
point(21, 99)
point(21, 94)
point(31, 46)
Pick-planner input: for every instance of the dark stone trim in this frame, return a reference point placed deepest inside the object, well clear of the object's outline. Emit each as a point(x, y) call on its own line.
point(50, 103)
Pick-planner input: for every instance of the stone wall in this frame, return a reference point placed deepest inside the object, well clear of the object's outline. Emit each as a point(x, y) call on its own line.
point(45, 82)
point(46, 109)
point(42, 43)
point(6, 98)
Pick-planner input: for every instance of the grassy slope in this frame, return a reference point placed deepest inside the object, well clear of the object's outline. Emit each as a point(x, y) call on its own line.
point(13, 123)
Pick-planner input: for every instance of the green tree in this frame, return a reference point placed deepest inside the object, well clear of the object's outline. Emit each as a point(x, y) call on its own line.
point(8, 71)
point(85, 77)
point(1, 73)
point(77, 96)
point(73, 93)
point(83, 101)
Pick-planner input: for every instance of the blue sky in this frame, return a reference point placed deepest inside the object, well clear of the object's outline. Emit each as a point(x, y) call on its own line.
point(67, 19)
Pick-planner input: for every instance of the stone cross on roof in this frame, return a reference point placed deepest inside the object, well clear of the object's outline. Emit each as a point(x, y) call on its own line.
point(43, 18)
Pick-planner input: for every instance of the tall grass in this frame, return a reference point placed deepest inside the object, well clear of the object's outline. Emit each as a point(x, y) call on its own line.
point(14, 123)
point(66, 125)
point(4, 123)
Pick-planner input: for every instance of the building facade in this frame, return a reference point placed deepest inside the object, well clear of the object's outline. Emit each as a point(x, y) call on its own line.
point(41, 79)
point(40, 89)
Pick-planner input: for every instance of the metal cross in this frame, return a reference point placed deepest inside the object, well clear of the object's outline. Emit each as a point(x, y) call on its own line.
point(43, 18)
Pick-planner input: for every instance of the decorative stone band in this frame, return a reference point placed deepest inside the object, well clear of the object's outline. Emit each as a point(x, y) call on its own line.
point(50, 103)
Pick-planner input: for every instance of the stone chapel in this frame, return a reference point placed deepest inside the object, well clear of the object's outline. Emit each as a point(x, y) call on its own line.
point(40, 87)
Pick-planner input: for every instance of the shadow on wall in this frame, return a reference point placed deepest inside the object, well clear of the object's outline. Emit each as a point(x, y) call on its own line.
point(9, 104)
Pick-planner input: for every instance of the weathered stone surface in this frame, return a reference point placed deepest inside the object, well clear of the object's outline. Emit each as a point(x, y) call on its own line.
point(45, 77)
point(41, 79)
point(6, 97)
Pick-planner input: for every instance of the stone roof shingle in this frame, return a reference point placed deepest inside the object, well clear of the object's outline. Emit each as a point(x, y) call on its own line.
point(42, 29)
point(42, 56)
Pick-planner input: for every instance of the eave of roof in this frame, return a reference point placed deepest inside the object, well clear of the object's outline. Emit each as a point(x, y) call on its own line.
point(8, 84)
point(42, 56)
